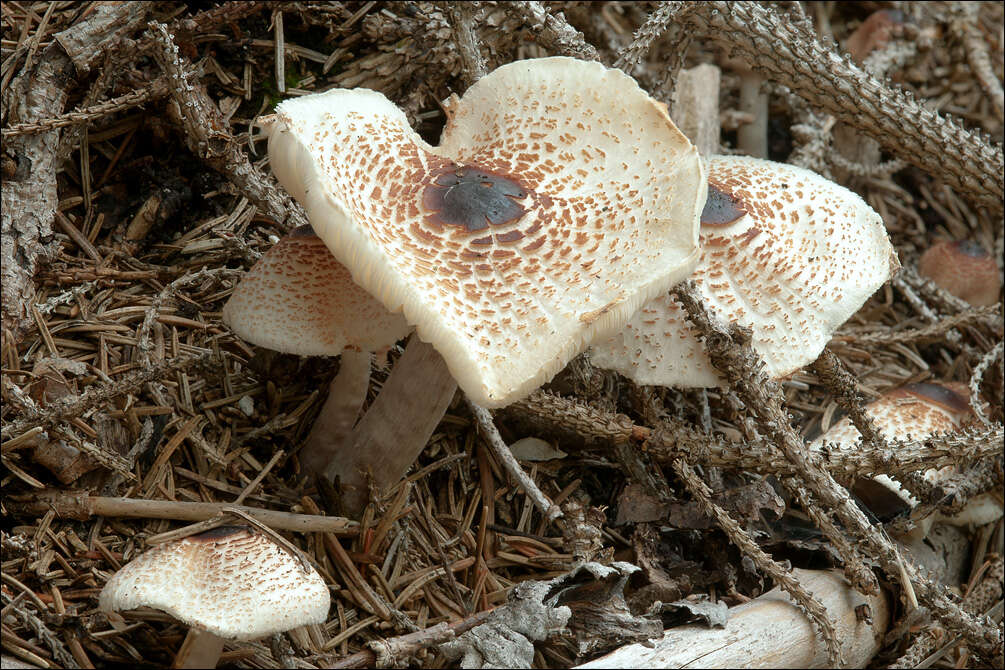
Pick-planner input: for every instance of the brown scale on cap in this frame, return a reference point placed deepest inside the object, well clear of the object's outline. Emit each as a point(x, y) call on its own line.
point(785, 252)
point(299, 300)
point(964, 269)
point(560, 199)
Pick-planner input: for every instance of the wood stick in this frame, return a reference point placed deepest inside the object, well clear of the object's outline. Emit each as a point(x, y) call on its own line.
point(81, 506)
point(769, 632)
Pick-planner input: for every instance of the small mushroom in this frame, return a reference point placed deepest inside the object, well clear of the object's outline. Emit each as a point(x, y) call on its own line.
point(560, 199)
point(874, 33)
point(784, 252)
point(916, 411)
point(227, 583)
point(298, 299)
point(964, 269)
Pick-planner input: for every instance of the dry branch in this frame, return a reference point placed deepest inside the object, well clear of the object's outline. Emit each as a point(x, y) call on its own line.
point(29, 195)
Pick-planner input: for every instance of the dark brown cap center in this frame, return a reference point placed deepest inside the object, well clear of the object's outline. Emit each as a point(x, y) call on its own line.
point(721, 207)
point(473, 198)
point(970, 248)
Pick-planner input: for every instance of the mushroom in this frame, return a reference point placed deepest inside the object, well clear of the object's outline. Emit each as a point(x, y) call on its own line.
point(560, 199)
point(964, 269)
point(916, 411)
point(226, 583)
point(874, 33)
point(785, 252)
point(298, 299)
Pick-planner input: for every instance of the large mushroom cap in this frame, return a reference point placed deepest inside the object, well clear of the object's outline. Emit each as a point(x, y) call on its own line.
point(560, 199)
point(230, 581)
point(784, 252)
point(299, 300)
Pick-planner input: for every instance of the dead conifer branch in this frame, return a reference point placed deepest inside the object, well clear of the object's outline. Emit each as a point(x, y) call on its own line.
point(81, 506)
point(71, 406)
point(788, 54)
point(976, 404)
point(742, 368)
point(462, 21)
point(207, 136)
point(59, 652)
point(941, 326)
point(143, 345)
point(394, 652)
point(656, 24)
point(156, 89)
point(842, 387)
point(855, 569)
point(30, 194)
point(978, 601)
point(805, 601)
point(553, 31)
point(965, 24)
point(668, 442)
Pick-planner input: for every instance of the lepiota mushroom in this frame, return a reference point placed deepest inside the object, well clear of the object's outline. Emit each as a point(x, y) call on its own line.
point(298, 299)
point(560, 199)
point(227, 583)
point(784, 252)
point(964, 269)
point(916, 411)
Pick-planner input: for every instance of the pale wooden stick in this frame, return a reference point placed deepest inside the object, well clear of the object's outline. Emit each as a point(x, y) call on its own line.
point(79, 505)
point(491, 434)
point(769, 632)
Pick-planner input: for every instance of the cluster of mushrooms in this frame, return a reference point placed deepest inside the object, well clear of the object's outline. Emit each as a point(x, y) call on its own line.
point(558, 209)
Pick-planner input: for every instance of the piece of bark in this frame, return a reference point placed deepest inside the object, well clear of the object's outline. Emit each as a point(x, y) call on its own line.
point(768, 632)
point(29, 195)
point(585, 605)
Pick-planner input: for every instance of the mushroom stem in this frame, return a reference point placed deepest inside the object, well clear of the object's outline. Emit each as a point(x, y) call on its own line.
point(397, 426)
point(338, 415)
point(696, 107)
point(752, 138)
point(201, 649)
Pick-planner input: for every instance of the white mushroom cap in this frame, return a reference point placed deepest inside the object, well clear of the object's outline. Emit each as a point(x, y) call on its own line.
point(561, 198)
point(230, 581)
point(299, 300)
point(916, 411)
point(784, 252)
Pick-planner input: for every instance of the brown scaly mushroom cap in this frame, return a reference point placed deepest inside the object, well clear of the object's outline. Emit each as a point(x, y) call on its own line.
point(230, 581)
point(784, 252)
point(560, 199)
point(916, 411)
point(964, 269)
point(299, 300)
